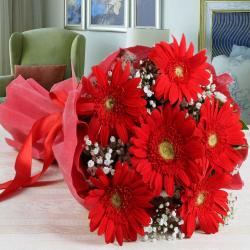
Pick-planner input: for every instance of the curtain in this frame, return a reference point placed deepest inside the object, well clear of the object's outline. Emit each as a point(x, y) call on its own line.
point(5, 32)
point(16, 16)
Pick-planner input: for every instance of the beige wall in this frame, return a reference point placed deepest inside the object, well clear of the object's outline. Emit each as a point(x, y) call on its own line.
point(180, 16)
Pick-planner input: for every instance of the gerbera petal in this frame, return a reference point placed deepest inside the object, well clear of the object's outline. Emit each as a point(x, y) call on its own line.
point(169, 185)
point(190, 50)
point(95, 221)
point(190, 224)
point(119, 234)
point(85, 108)
point(135, 225)
point(104, 135)
point(162, 87)
point(125, 74)
point(122, 132)
point(183, 178)
point(183, 46)
point(198, 59)
point(110, 232)
point(208, 223)
point(100, 76)
point(141, 216)
point(158, 184)
point(138, 152)
point(236, 183)
point(103, 226)
point(117, 73)
point(94, 128)
point(173, 94)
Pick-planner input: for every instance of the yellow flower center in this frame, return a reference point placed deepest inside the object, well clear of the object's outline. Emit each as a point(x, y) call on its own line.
point(166, 150)
point(116, 200)
point(179, 71)
point(109, 104)
point(200, 199)
point(212, 140)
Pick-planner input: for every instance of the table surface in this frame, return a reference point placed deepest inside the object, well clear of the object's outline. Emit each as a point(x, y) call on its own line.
point(48, 218)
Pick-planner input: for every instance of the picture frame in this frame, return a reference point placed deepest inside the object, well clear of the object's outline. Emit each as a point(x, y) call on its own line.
point(74, 14)
point(209, 11)
point(224, 33)
point(152, 8)
point(108, 15)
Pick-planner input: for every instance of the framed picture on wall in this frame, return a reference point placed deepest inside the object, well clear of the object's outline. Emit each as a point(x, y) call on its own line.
point(74, 14)
point(108, 15)
point(224, 24)
point(146, 14)
point(224, 33)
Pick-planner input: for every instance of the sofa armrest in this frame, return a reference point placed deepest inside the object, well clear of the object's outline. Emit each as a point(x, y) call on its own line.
point(78, 55)
point(4, 81)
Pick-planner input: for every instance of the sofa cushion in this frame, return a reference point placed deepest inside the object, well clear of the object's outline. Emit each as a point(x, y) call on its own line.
point(46, 75)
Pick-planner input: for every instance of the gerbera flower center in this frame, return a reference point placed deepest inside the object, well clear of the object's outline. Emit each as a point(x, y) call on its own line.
point(116, 200)
point(200, 199)
point(109, 104)
point(212, 140)
point(166, 150)
point(179, 71)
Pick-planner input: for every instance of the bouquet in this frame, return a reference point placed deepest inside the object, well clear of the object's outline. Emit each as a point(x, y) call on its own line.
point(151, 143)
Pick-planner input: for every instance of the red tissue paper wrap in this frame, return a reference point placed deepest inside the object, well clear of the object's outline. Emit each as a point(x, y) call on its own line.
point(36, 119)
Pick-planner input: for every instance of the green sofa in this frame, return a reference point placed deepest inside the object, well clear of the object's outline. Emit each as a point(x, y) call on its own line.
point(48, 46)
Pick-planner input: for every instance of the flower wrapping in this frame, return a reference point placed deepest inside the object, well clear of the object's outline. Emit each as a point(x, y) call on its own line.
point(151, 142)
point(27, 101)
point(35, 118)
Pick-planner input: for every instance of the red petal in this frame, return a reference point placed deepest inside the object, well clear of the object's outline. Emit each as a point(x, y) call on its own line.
point(85, 108)
point(169, 184)
point(158, 184)
point(94, 128)
point(190, 224)
point(117, 72)
point(183, 178)
point(119, 234)
point(122, 132)
point(95, 221)
point(173, 94)
point(183, 46)
point(104, 135)
point(100, 76)
point(103, 226)
point(110, 232)
point(236, 183)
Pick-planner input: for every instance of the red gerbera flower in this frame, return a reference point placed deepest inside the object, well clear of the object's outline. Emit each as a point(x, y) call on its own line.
point(117, 205)
point(204, 204)
point(163, 148)
point(115, 104)
point(181, 72)
point(222, 135)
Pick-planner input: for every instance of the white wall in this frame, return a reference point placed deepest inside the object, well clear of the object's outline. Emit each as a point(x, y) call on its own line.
point(180, 16)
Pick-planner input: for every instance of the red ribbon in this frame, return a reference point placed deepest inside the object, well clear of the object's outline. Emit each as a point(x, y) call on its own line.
point(45, 129)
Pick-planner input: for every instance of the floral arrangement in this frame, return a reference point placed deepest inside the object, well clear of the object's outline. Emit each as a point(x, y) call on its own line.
point(148, 143)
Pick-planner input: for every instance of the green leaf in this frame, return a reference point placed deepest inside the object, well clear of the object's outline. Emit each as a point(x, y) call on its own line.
point(244, 126)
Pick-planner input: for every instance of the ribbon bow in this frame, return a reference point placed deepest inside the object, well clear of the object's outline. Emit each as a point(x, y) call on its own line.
point(46, 129)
